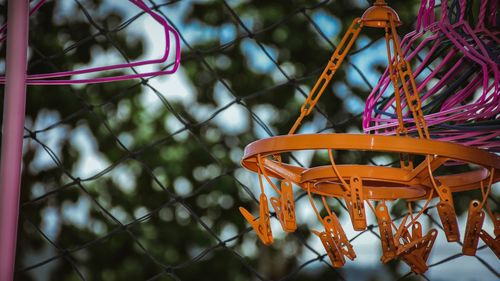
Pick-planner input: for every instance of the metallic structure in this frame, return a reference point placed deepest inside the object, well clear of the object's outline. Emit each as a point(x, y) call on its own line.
point(362, 185)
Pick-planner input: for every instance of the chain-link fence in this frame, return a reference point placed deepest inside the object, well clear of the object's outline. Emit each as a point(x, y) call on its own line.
point(140, 180)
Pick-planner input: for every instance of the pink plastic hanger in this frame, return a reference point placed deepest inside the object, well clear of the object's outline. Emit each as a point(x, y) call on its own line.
point(485, 18)
point(475, 51)
point(3, 28)
point(488, 102)
point(48, 78)
point(451, 109)
point(407, 43)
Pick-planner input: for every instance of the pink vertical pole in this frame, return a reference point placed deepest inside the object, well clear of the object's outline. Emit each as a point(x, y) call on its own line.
point(12, 133)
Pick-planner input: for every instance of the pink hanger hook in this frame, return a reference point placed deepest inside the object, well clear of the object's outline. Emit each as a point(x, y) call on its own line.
point(47, 78)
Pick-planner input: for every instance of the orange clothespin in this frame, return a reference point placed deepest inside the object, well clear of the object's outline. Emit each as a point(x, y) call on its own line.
point(422, 245)
point(426, 250)
point(494, 244)
point(262, 225)
point(475, 219)
point(447, 214)
point(356, 204)
point(416, 253)
point(285, 207)
point(332, 249)
point(386, 236)
point(335, 241)
point(448, 218)
point(416, 263)
point(333, 226)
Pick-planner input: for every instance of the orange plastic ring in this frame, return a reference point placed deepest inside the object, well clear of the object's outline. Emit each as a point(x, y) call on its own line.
point(386, 183)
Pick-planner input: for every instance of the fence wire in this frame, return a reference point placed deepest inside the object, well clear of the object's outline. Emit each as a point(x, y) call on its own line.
point(156, 230)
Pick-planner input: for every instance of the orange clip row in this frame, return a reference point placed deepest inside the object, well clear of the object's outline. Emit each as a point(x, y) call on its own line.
point(262, 225)
point(335, 241)
point(285, 207)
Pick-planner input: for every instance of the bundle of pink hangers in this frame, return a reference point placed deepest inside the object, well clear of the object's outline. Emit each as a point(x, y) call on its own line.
point(457, 69)
point(64, 77)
